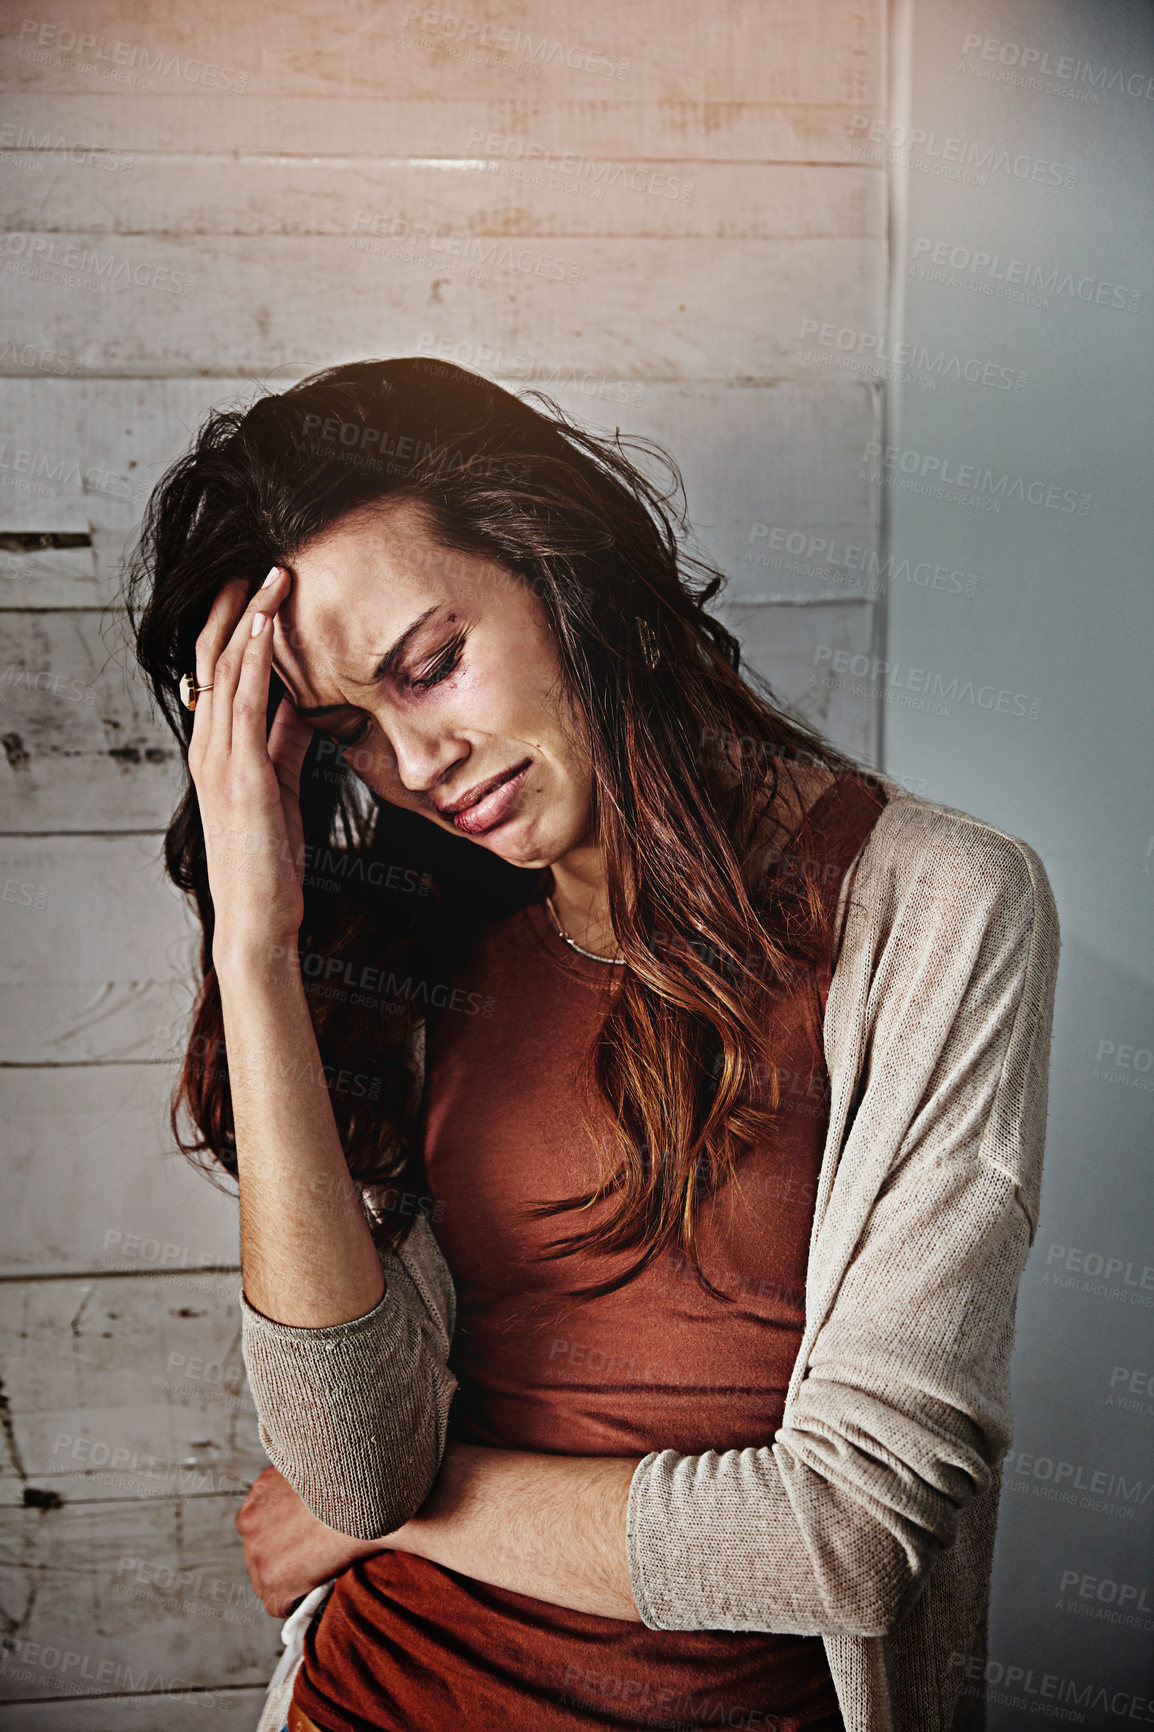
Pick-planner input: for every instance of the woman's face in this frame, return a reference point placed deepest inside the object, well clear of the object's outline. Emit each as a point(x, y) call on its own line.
point(438, 674)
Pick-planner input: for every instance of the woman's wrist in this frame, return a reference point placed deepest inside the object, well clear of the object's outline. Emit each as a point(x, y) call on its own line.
point(245, 959)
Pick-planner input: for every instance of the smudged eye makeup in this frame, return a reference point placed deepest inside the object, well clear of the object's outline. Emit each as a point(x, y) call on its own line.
point(446, 663)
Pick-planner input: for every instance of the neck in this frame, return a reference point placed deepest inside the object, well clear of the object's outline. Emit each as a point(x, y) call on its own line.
point(579, 887)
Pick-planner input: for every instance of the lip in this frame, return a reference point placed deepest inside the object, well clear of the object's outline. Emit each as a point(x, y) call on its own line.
point(486, 807)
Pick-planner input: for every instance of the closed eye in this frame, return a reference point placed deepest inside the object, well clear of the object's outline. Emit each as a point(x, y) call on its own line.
point(446, 662)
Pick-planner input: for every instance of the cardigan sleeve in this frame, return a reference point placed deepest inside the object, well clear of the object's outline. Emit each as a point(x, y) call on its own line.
point(355, 1416)
point(900, 1412)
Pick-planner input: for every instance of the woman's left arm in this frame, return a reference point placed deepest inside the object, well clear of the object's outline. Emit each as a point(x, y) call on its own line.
point(548, 1526)
point(938, 1028)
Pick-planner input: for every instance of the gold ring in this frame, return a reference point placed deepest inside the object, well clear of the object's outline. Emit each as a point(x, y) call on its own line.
point(190, 691)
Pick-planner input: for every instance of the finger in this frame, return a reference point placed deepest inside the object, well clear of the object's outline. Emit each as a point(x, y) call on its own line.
point(218, 627)
point(226, 673)
point(250, 702)
point(215, 634)
point(290, 736)
point(288, 743)
point(259, 1489)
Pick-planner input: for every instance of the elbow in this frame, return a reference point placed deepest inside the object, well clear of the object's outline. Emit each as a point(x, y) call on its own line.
point(877, 1601)
point(363, 1453)
point(363, 1506)
point(871, 1613)
point(363, 1485)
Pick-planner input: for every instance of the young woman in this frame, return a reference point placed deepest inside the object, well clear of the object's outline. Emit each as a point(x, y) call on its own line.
point(637, 1106)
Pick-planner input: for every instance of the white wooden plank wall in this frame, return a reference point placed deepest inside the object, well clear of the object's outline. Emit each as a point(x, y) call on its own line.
point(202, 201)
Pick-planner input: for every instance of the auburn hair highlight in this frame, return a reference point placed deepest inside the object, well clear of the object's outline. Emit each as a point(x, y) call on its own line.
point(692, 764)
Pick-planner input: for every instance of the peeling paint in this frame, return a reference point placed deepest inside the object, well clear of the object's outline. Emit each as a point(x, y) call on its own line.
point(15, 751)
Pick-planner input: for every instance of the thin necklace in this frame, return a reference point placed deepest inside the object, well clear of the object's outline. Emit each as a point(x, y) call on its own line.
point(617, 961)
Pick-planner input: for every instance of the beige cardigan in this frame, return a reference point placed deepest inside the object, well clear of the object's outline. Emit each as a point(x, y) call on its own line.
point(869, 1517)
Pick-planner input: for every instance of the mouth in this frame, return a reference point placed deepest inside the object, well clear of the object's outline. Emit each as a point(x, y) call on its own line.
point(492, 804)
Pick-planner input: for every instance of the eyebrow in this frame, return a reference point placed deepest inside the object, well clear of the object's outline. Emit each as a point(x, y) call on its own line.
point(386, 662)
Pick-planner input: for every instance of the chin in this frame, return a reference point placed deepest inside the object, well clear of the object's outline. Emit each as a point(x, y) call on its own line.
point(525, 854)
point(524, 847)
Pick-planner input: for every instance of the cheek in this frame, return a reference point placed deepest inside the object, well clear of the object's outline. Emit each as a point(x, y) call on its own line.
point(477, 700)
point(514, 690)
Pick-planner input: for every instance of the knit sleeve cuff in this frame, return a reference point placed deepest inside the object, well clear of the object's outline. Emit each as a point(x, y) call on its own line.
point(702, 1532)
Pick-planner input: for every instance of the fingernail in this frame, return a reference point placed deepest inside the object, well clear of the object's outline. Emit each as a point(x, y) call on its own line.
point(271, 578)
point(258, 621)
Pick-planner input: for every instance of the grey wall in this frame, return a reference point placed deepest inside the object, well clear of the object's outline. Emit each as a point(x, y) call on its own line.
point(1060, 621)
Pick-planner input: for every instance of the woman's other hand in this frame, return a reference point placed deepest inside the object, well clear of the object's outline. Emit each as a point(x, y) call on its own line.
point(248, 787)
point(287, 1551)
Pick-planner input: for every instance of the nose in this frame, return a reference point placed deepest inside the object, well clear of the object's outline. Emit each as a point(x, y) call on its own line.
point(423, 758)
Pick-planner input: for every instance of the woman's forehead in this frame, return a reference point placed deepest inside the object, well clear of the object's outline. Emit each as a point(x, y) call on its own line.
point(361, 585)
point(380, 560)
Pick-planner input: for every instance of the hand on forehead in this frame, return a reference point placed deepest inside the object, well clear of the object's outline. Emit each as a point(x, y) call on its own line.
point(354, 591)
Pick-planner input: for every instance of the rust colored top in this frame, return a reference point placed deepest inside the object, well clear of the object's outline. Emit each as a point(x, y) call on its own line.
point(406, 1644)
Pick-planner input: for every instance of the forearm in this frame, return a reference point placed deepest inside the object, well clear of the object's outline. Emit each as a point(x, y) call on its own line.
point(306, 1248)
point(551, 1527)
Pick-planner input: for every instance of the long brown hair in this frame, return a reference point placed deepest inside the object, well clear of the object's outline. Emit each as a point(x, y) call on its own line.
point(690, 757)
